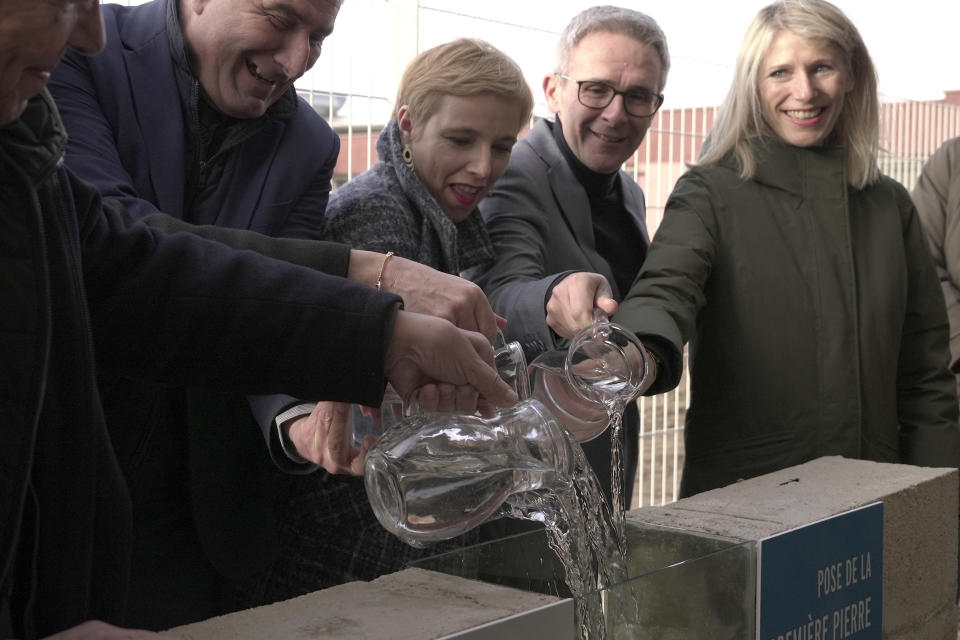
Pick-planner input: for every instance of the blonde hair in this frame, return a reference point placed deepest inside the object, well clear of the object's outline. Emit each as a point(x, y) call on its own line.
point(462, 67)
point(740, 118)
point(610, 19)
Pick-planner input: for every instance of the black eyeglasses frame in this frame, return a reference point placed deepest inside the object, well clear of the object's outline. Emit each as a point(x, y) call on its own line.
point(616, 92)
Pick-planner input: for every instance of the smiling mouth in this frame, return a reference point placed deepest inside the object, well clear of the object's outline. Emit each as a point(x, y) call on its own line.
point(465, 193)
point(255, 72)
point(607, 139)
point(805, 114)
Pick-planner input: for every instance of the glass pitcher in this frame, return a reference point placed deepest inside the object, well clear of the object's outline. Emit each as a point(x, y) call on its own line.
point(510, 363)
point(607, 364)
point(604, 366)
point(434, 476)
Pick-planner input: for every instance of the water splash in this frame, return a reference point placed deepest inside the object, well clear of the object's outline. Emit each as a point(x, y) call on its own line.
point(618, 497)
point(581, 531)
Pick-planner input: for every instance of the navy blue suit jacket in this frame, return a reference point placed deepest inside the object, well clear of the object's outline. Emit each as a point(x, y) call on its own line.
point(128, 136)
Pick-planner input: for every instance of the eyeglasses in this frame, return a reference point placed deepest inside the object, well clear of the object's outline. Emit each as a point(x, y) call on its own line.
point(639, 103)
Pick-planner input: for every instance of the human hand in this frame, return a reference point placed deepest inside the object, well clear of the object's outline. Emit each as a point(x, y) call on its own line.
point(571, 304)
point(325, 438)
point(427, 350)
point(448, 398)
point(431, 292)
point(96, 630)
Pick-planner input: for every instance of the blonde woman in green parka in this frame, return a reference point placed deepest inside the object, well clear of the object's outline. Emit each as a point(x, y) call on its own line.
point(798, 273)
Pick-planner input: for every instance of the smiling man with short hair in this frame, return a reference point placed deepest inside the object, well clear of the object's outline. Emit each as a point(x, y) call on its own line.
point(567, 224)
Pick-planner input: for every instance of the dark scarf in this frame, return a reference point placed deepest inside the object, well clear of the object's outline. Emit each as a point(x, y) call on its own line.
point(35, 141)
point(616, 237)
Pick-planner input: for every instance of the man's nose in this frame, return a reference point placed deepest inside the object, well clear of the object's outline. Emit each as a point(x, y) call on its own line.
point(295, 56)
point(617, 109)
point(87, 35)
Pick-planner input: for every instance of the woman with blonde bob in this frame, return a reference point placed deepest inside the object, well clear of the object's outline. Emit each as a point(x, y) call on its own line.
point(797, 272)
point(459, 109)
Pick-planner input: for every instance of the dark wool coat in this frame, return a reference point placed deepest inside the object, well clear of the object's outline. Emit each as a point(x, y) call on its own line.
point(84, 279)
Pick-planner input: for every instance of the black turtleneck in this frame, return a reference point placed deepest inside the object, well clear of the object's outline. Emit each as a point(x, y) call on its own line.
point(616, 237)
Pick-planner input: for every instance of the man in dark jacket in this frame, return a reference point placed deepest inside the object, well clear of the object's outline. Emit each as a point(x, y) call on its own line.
point(77, 278)
point(191, 110)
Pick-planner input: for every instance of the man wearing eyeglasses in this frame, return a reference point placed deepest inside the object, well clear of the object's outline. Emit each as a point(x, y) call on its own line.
point(568, 226)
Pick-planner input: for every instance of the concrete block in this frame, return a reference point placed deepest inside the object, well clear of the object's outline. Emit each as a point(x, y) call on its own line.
point(919, 527)
point(920, 541)
point(413, 604)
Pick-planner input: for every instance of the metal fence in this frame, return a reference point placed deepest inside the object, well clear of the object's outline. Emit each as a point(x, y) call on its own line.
point(353, 83)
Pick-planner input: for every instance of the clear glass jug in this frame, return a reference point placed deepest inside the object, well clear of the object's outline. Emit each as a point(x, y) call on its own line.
point(434, 476)
point(510, 363)
point(604, 367)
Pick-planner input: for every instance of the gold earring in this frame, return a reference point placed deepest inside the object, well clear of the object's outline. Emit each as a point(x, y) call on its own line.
point(408, 157)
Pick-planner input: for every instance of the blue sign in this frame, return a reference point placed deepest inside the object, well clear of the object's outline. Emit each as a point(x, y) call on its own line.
point(824, 581)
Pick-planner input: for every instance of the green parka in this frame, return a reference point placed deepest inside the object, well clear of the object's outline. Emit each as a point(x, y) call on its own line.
point(815, 319)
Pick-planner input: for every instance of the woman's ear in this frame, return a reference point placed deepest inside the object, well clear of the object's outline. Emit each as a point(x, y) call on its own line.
point(405, 122)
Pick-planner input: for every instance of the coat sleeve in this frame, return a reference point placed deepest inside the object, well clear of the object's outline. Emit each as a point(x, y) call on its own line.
point(668, 293)
point(517, 214)
point(329, 257)
point(927, 408)
point(181, 309)
point(939, 178)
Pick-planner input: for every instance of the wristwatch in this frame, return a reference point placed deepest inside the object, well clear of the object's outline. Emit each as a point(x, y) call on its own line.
point(283, 428)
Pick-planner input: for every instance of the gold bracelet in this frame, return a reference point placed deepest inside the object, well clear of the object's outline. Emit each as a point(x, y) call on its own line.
point(382, 267)
point(656, 361)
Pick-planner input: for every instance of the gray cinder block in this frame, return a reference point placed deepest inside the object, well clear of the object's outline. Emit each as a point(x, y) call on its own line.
point(919, 527)
point(413, 604)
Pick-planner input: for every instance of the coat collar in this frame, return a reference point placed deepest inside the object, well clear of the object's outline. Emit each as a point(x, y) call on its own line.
point(818, 172)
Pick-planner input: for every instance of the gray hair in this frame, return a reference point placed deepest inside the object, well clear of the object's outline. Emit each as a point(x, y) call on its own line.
point(610, 19)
